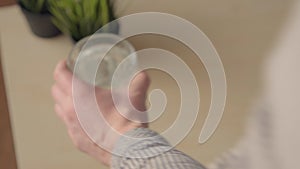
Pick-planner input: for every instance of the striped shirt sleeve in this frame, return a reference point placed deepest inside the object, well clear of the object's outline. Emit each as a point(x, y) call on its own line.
point(144, 148)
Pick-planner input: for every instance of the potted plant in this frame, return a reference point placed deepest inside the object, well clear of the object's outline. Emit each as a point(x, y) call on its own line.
point(38, 17)
point(80, 18)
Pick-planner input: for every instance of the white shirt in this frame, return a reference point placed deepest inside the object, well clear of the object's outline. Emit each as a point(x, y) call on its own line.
point(272, 140)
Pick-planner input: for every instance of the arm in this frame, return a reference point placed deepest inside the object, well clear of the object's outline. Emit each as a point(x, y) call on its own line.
point(153, 151)
point(121, 151)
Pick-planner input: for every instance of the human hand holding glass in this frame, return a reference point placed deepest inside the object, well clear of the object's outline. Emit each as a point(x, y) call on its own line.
point(65, 109)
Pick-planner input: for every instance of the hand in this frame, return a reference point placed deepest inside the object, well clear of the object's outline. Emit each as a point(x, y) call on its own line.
point(64, 107)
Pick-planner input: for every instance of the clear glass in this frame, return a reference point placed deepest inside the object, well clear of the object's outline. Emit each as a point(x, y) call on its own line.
point(102, 53)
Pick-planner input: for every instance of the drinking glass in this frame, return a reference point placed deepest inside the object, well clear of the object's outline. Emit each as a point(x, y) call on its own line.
point(94, 59)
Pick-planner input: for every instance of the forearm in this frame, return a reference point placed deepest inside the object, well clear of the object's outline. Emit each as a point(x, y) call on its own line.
point(151, 152)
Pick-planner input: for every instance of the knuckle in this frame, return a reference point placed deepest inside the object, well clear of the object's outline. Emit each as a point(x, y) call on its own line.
point(56, 74)
point(73, 138)
point(69, 108)
point(53, 90)
point(70, 115)
point(57, 110)
point(80, 147)
point(58, 71)
point(76, 144)
point(68, 112)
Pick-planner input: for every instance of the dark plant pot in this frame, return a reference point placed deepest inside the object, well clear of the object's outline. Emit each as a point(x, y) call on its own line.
point(40, 23)
point(113, 27)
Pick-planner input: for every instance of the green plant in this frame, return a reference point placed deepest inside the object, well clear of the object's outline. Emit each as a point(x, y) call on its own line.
point(80, 18)
point(35, 6)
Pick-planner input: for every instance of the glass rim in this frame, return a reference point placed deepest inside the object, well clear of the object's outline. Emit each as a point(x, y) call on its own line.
point(82, 44)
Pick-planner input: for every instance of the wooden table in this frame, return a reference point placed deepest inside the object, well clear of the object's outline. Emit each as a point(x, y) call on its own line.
point(7, 152)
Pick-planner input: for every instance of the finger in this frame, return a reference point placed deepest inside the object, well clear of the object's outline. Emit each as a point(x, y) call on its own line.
point(58, 95)
point(140, 82)
point(59, 112)
point(61, 65)
point(139, 86)
point(63, 116)
point(67, 118)
point(67, 114)
point(63, 77)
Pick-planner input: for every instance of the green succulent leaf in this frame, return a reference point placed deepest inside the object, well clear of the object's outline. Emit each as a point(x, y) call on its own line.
point(80, 18)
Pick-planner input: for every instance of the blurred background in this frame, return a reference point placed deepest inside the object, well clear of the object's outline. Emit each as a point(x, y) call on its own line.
point(242, 31)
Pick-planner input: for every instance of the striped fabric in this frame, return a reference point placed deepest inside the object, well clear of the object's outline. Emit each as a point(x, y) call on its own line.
point(143, 148)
